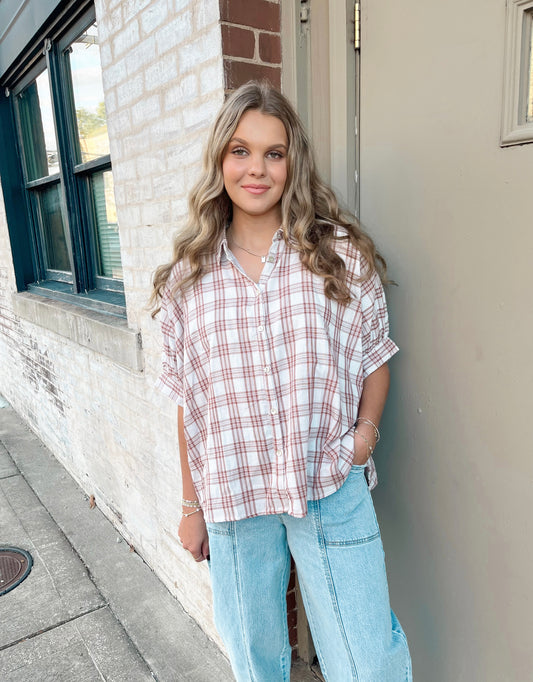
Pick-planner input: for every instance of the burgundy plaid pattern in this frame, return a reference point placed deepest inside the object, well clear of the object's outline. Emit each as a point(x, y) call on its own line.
point(270, 376)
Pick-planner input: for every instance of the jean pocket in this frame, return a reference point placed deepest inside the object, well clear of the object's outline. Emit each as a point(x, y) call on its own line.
point(220, 528)
point(347, 517)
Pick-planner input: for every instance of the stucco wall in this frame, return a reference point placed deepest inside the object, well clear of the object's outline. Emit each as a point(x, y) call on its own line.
point(163, 81)
point(452, 212)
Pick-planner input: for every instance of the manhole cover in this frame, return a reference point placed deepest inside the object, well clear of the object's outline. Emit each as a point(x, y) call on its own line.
point(15, 564)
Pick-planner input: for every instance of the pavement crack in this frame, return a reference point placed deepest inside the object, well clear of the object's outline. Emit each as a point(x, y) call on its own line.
point(53, 627)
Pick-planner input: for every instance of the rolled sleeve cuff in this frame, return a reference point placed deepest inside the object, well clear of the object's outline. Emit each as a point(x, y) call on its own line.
point(169, 388)
point(378, 355)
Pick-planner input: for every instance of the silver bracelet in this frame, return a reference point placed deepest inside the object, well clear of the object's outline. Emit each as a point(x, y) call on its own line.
point(190, 503)
point(368, 421)
point(191, 513)
point(370, 449)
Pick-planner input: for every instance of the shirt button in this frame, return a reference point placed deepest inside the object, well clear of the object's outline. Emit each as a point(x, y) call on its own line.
point(260, 328)
point(279, 453)
point(273, 410)
point(267, 369)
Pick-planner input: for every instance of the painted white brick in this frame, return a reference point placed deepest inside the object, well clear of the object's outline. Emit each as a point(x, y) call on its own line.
point(117, 429)
point(196, 115)
point(174, 32)
point(140, 55)
point(205, 14)
point(181, 4)
point(183, 92)
point(106, 55)
point(200, 50)
point(133, 7)
point(165, 70)
point(109, 22)
point(126, 39)
point(185, 154)
point(168, 184)
point(154, 15)
point(212, 77)
point(110, 102)
point(156, 213)
point(130, 90)
point(145, 110)
point(115, 74)
point(152, 163)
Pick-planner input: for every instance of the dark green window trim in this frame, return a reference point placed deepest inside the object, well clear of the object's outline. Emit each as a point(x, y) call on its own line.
point(81, 285)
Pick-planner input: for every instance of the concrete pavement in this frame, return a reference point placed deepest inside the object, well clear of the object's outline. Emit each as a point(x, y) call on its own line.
point(90, 609)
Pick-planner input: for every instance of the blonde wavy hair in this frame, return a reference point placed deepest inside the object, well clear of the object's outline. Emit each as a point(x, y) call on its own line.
point(309, 209)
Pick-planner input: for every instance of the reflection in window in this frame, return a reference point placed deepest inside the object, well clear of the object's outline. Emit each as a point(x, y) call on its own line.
point(53, 229)
point(109, 263)
point(37, 128)
point(88, 93)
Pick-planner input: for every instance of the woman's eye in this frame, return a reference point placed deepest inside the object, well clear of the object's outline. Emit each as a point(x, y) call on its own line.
point(239, 151)
point(275, 155)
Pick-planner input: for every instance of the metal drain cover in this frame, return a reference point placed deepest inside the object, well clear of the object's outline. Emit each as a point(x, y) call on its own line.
point(15, 565)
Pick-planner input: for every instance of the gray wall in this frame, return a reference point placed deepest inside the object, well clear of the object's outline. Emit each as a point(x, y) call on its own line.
point(453, 213)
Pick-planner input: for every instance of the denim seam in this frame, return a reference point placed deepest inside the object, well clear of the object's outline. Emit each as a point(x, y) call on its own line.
point(226, 533)
point(409, 669)
point(283, 593)
point(329, 581)
point(349, 543)
point(240, 600)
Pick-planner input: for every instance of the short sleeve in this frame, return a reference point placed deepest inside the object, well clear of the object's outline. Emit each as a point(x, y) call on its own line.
point(170, 381)
point(378, 348)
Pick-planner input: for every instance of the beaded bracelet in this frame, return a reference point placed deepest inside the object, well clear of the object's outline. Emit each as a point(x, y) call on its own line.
point(191, 513)
point(190, 503)
point(370, 448)
point(368, 421)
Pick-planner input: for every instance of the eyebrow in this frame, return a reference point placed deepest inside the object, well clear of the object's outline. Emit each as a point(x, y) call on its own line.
point(239, 140)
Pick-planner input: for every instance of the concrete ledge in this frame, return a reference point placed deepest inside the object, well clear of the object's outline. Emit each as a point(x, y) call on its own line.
point(102, 333)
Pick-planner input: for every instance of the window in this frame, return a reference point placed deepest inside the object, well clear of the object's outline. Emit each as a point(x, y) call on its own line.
point(59, 114)
point(517, 120)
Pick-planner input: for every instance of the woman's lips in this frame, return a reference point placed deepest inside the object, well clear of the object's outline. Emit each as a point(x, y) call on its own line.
point(255, 189)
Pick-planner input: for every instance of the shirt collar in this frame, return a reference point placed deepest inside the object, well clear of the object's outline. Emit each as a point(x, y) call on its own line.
point(222, 246)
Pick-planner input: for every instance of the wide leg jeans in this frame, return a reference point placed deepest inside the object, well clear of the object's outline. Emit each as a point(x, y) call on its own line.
point(341, 570)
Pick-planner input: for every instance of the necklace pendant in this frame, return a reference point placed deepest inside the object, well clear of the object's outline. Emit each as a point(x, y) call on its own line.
point(263, 259)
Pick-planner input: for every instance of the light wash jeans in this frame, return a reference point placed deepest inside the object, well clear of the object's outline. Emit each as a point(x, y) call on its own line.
point(341, 570)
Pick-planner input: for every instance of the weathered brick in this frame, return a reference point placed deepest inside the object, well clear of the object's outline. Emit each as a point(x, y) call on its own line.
point(106, 423)
point(257, 14)
point(165, 70)
point(237, 73)
point(145, 110)
point(154, 15)
point(238, 42)
point(126, 38)
point(270, 48)
point(211, 77)
point(185, 90)
point(173, 33)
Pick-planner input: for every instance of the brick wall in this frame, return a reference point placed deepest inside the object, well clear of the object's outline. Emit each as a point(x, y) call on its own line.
point(164, 81)
point(251, 41)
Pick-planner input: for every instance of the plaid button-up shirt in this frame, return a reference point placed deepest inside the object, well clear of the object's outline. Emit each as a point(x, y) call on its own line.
point(270, 377)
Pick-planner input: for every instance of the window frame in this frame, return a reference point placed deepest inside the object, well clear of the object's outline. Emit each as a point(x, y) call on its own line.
point(516, 129)
point(84, 284)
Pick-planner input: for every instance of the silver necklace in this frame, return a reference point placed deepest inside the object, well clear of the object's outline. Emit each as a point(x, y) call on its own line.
point(257, 255)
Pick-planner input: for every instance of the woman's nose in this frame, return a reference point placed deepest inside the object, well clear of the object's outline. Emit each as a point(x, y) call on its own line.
point(257, 166)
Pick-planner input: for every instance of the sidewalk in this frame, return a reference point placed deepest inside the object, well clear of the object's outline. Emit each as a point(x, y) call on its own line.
point(90, 609)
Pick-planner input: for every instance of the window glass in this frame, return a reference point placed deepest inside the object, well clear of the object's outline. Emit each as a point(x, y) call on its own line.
point(53, 229)
point(88, 94)
point(108, 260)
point(37, 128)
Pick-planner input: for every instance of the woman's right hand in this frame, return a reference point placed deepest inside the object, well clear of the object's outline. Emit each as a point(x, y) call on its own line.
point(192, 533)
